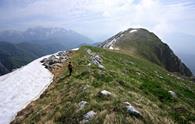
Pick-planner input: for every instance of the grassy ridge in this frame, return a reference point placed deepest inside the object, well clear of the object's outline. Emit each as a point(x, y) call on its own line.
point(143, 84)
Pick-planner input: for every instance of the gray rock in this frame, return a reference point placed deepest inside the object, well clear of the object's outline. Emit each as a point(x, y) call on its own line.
point(131, 109)
point(56, 60)
point(82, 105)
point(105, 93)
point(88, 116)
point(173, 94)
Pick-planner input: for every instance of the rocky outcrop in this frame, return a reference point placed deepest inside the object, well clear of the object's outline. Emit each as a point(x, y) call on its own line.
point(147, 45)
point(95, 59)
point(56, 60)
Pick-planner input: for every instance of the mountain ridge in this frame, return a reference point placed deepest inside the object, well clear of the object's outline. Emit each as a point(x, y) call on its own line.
point(156, 95)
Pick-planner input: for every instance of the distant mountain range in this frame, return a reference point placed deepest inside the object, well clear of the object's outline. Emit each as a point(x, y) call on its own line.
point(19, 48)
point(142, 43)
point(44, 35)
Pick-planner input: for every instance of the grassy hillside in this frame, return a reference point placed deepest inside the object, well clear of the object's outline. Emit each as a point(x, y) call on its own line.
point(139, 82)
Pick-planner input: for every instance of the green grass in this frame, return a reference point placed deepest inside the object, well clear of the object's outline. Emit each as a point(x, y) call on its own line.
point(143, 84)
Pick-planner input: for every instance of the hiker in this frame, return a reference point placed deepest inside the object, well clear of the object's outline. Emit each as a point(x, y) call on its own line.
point(70, 68)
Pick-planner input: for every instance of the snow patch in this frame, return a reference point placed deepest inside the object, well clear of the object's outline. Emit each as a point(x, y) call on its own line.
point(111, 48)
point(132, 31)
point(19, 88)
point(110, 44)
point(75, 49)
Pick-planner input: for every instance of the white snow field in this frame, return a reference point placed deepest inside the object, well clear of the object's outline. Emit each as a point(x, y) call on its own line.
point(19, 88)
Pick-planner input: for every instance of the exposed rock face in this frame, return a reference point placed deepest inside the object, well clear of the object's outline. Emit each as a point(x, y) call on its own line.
point(146, 44)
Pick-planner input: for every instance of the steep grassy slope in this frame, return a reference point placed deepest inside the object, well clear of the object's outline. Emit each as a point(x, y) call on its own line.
point(143, 84)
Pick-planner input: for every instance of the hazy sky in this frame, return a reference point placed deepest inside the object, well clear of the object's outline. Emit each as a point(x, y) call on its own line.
point(99, 19)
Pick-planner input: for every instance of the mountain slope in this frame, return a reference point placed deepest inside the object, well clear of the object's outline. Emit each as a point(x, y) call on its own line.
point(146, 86)
point(141, 42)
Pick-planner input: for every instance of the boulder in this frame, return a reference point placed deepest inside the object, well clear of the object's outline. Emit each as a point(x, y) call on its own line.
point(173, 94)
point(131, 109)
point(105, 93)
point(88, 116)
point(82, 105)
